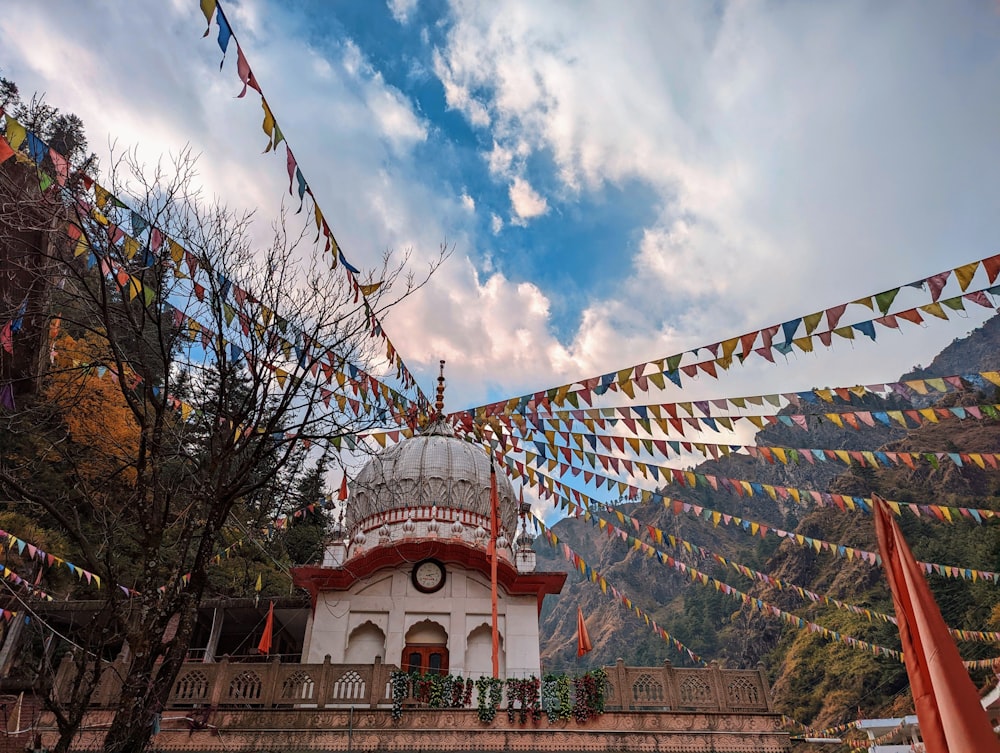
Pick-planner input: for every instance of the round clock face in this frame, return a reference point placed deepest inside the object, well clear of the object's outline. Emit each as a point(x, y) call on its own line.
point(428, 576)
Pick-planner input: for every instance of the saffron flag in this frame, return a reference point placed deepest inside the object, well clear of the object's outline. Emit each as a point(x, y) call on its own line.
point(947, 703)
point(265, 640)
point(582, 639)
point(342, 494)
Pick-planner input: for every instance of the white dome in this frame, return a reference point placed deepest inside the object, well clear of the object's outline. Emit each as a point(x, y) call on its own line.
point(435, 468)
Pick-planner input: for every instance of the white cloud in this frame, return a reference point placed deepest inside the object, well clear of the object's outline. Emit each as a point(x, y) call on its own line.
point(788, 151)
point(458, 97)
point(394, 116)
point(796, 157)
point(402, 9)
point(525, 202)
point(499, 160)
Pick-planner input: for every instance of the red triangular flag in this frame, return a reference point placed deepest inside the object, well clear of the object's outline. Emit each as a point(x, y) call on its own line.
point(342, 494)
point(582, 639)
point(6, 340)
point(947, 703)
point(5, 151)
point(265, 640)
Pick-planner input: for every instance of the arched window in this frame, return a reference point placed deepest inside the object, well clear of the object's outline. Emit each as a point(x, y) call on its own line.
point(365, 643)
point(479, 652)
point(426, 649)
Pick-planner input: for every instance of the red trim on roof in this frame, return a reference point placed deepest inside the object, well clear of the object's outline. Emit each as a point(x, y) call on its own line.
point(314, 578)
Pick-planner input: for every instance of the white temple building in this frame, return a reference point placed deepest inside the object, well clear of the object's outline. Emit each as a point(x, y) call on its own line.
point(407, 577)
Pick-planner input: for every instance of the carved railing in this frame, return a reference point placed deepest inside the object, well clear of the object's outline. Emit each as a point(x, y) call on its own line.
point(672, 688)
point(275, 685)
point(272, 684)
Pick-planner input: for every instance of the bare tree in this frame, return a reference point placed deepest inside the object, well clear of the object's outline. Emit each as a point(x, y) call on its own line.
point(186, 374)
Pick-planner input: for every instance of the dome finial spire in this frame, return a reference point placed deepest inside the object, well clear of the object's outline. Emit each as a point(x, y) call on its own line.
point(439, 402)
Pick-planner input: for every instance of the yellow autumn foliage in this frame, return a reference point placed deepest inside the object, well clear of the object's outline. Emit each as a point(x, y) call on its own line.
point(93, 409)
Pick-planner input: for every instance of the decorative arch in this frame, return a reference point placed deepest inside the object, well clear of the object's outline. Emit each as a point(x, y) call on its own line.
point(191, 686)
point(364, 644)
point(479, 651)
point(426, 649)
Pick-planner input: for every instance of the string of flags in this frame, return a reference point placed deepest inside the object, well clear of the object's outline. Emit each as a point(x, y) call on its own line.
point(745, 488)
point(738, 349)
point(698, 576)
point(516, 409)
point(772, 454)
point(575, 445)
point(268, 325)
point(36, 553)
point(857, 420)
point(17, 580)
point(159, 245)
point(297, 182)
point(51, 560)
point(907, 389)
point(660, 537)
point(573, 501)
point(609, 590)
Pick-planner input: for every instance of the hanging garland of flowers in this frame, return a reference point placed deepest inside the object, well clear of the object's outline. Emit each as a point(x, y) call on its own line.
point(556, 697)
point(436, 691)
point(589, 701)
point(490, 692)
point(438, 686)
point(399, 682)
point(560, 696)
point(457, 692)
point(525, 693)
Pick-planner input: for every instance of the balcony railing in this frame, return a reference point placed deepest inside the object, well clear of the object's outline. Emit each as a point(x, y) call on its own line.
point(275, 685)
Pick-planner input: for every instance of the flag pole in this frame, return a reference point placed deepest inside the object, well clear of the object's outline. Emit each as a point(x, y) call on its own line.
point(947, 703)
point(493, 568)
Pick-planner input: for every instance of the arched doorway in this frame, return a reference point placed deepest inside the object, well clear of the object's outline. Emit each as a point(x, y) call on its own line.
point(426, 649)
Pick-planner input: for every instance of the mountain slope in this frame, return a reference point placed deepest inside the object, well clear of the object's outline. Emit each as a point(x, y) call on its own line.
point(816, 681)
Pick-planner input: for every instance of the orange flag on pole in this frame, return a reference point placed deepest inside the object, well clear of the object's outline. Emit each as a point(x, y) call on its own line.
point(494, 525)
point(947, 703)
point(265, 640)
point(582, 639)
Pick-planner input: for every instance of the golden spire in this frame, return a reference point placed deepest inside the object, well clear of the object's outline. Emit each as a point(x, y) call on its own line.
point(439, 402)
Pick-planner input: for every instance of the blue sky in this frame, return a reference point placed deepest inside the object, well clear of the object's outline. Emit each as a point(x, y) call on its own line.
point(619, 182)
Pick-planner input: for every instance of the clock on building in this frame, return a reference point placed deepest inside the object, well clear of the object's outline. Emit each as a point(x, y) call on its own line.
point(428, 576)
